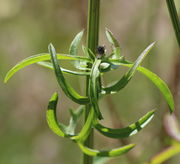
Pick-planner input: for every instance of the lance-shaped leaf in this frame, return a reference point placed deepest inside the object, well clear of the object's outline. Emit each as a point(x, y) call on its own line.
point(156, 80)
point(106, 153)
point(84, 133)
point(75, 115)
point(128, 131)
point(115, 44)
point(50, 66)
point(127, 77)
point(51, 118)
point(73, 50)
point(93, 87)
point(68, 90)
point(38, 58)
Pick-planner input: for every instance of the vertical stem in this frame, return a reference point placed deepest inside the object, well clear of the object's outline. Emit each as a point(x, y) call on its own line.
point(92, 43)
point(174, 18)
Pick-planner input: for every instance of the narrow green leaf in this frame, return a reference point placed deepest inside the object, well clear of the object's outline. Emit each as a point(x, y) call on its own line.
point(165, 155)
point(93, 87)
point(127, 77)
point(51, 118)
point(85, 131)
point(161, 85)
point(68, 90)
point(105, 153)
point(75, 115)
point(50, 66)
point(156, 80)
point(115, 44)
point(37, 58)
point(73, 50)
point(128, 131)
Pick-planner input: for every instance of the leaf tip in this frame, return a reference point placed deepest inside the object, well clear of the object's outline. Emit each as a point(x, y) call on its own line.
point(5, 79)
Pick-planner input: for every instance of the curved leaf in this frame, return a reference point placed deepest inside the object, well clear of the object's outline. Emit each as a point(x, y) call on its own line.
point(106, 153)
point(51, 118)
point(50, 66)
point(157, 81)
point(128, 131)
point(84, 133)
point(37, 58)
point(73, 50)
point(116, 48)
point(68, 90)
point(93, 87)
point(127, 77)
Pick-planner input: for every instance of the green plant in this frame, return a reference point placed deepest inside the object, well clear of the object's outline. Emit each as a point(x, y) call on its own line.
point(93, 65)
point(174, 18)
point(170, 122)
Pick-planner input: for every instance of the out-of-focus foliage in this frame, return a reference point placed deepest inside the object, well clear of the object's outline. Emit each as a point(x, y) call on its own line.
point(27, 27)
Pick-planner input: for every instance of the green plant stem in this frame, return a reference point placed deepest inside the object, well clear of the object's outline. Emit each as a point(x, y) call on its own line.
point(174, 18)
point(92, 43)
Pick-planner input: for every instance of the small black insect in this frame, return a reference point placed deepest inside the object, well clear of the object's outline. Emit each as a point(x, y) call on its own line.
point(100, 51)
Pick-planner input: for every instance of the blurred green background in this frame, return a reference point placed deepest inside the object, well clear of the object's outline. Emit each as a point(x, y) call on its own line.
point(27, 27)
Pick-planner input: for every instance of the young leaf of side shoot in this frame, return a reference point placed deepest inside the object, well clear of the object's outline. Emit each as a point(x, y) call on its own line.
point(51, 118)
point(84, 133)
point(127, 77)
point(93, 87)
point(106, 153)
point(74, 119)
point(128, 131)
point(73, 50)
point(115, 44)
point(88, 52)
point(68, 90)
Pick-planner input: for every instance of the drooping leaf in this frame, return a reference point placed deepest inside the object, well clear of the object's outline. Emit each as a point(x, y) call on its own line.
point(68, 90)
point(115, 44)
point(127, 77)
point(93, 87)
point(50, 66)
point(156, 80)
point(51, 118)
point(74, 119)
point(105, 153)
point(85, 131)
point(38, 58)
point(128, 131)
point(162, 86)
